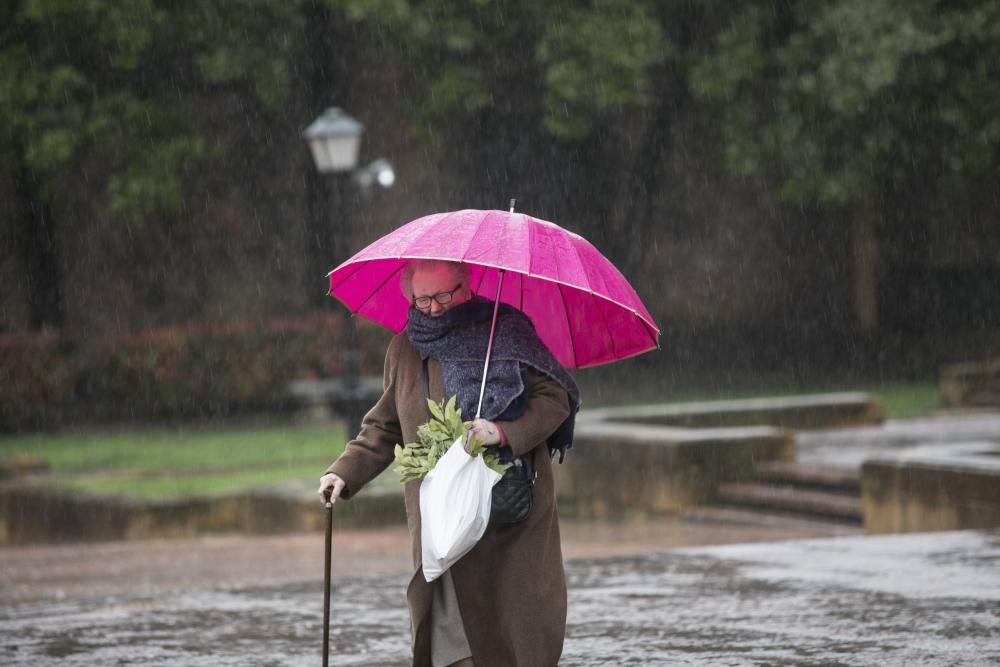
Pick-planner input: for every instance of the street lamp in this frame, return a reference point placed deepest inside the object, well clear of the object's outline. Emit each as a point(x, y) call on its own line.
point(335, 141)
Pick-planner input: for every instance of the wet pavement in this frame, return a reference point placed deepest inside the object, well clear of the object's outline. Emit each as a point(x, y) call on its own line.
point(640, 594)
point(925, 600)
point(31, 574)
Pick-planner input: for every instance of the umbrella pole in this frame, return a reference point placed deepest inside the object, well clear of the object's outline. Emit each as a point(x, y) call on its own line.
point(489, 346)
point(326, 585)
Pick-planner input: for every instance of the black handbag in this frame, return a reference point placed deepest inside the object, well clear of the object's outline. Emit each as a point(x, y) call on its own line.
point(513, 495)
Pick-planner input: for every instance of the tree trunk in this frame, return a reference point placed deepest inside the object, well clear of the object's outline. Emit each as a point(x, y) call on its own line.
point(38, 252)
point(328, 226)
point(635, 226)
point(864, 253)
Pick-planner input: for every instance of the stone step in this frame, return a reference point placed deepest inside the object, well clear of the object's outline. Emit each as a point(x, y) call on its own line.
point(811, 411)
point(791, 500)
point(808, 476)
point(732, 516)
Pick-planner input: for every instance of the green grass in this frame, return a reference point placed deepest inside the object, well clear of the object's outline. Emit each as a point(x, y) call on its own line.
point(905, 401)
point(160, 463)
point(160, 449)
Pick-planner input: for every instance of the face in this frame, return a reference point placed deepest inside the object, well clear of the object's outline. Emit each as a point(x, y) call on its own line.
point(440, 280)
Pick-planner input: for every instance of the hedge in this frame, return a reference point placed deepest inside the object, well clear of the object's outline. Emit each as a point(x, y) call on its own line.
point(203, 369)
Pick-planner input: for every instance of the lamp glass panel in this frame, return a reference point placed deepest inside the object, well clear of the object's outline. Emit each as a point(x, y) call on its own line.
point(340, 153)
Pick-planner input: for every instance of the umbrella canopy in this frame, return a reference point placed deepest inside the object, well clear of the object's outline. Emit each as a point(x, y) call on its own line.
point(582, 307)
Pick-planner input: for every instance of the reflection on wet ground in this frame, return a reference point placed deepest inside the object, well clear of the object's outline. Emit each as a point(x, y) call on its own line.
point(931, 599)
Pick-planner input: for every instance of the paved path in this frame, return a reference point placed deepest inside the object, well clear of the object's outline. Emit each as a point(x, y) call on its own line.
point(924, 600)
point(34, 574)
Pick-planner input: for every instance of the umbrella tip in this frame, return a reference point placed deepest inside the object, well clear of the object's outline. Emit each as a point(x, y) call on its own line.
point(512, 202)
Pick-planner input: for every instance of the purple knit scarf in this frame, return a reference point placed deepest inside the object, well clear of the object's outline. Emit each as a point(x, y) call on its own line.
point(458, 340)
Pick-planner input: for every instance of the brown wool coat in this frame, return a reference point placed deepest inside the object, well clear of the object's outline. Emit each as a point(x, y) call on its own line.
point(511, 588)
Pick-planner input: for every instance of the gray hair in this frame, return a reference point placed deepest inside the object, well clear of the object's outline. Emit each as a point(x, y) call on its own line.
point(458, 269)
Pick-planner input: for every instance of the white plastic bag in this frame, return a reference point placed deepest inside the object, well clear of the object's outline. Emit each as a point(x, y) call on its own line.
point(455, 499)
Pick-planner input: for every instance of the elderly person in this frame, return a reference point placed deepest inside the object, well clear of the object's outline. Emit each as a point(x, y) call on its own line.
point(503, 603)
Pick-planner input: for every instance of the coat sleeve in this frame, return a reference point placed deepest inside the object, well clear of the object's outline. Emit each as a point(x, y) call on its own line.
point(372, 451)
point(547, 407)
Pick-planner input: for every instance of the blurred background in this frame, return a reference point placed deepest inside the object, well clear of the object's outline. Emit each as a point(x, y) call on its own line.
point(804, 193)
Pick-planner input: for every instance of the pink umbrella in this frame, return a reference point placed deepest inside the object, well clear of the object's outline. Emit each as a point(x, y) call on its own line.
point(584, 310)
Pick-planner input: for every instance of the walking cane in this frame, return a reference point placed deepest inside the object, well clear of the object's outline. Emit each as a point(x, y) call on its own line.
point(326, 584)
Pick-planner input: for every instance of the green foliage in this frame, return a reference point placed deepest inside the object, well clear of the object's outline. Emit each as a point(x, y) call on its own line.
point(171, 372)
point(598, 60)
point(122, 84)
point(238, 42)
point(36, 371)
point(457, 87)
point(415, 459)
point(838, 97)
point(576, 64)
point(184, 370)
point(833, 99)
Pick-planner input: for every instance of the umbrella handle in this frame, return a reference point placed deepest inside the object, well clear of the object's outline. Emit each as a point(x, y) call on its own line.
point(489, 346)
point(326, 585)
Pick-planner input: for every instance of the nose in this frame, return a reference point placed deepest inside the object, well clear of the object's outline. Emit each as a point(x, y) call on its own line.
point(436, 308)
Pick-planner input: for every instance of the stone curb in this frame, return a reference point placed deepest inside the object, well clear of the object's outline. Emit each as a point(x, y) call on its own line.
point(636, 470)
point(810, 411)
point(30, 514)
point(934, 487)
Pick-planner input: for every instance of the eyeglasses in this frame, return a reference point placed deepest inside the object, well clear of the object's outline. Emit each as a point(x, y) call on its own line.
point(424, 302)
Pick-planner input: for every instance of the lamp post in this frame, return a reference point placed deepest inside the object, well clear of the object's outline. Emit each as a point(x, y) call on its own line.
point(334, 139)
